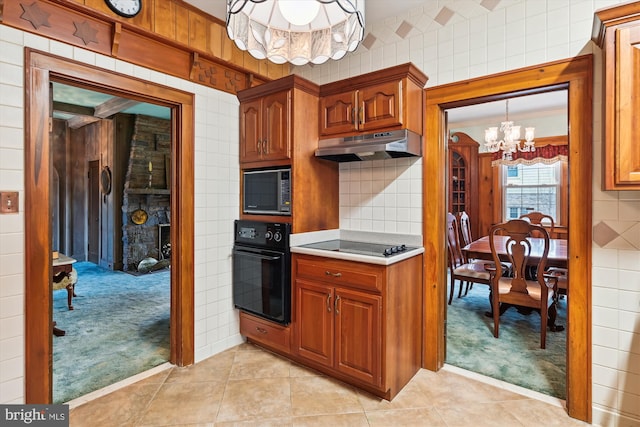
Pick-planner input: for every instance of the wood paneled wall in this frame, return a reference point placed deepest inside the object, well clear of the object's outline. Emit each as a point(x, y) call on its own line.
point(169, 36)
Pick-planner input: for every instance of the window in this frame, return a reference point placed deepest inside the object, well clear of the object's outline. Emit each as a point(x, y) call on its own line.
point(528, 188)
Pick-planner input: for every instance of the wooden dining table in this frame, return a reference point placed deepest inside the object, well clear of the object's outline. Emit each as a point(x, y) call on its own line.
point(557, 257)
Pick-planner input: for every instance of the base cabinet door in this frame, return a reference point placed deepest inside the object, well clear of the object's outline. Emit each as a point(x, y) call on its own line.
point(341, 329)
point(358, 335)
point(314, 311)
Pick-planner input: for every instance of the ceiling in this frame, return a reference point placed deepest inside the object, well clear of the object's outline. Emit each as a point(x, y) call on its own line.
point(82, 106)
point(375, 10)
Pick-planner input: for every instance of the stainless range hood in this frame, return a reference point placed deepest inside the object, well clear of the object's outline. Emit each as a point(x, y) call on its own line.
point(372, 146)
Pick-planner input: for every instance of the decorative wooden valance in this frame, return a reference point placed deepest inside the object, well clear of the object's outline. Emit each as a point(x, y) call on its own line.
point(168, 36)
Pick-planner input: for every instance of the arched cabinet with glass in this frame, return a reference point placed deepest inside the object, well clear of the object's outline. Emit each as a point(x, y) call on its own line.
point(463, 177)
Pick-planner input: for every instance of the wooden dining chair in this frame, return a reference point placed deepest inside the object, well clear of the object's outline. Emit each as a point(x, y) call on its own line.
point(467, 238)
point(539, 218)
point(465, 228)
point(518, 290)
point(459, 268)
point(547, 221)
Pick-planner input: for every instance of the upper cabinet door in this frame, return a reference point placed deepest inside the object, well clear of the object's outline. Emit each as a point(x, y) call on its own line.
point(265, 128)
point(380, 106)
point(627, 135)
point(369, 108)
point(383, 100)
point(617, 31)
point(250, 131)
point(276, 137)
point(337, 113)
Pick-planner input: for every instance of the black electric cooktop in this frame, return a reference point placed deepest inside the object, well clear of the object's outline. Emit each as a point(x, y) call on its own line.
point(360, 248)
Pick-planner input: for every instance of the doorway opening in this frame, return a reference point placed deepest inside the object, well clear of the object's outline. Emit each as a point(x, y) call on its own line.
point(104, 148)
point(576, 76)
point(491, 188)
point(42, 70)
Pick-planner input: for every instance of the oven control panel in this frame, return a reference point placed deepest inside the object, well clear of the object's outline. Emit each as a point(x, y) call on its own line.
point(262, 234)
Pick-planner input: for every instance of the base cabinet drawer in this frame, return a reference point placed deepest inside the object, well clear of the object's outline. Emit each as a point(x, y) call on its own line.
point(269, 334)
point(369, 277)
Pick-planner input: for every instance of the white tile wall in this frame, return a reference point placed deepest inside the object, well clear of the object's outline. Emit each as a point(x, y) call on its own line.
point(216, 203)
point(473, 43)
point(477, 42)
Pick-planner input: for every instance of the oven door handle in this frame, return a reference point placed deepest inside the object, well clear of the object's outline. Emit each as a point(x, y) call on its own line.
point(258, 255)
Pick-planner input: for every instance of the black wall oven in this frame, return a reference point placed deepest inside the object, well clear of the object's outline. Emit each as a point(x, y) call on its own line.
point(262, 269)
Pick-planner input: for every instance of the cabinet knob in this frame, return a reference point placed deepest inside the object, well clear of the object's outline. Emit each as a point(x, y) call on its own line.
point(265, 147)
point(335, 304)
point(259, 146)
point(329, 303)
point(328, 273)
point(261, 330)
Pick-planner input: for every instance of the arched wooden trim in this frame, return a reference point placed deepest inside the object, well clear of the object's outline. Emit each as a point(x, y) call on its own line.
point(576, 75)
point(41, 69)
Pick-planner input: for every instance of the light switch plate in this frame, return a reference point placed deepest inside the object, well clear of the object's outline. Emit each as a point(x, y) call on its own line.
point(8, 202)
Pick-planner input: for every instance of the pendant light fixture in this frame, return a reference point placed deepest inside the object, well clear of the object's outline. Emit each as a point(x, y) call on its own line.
point(296, 31)
point(510, 143)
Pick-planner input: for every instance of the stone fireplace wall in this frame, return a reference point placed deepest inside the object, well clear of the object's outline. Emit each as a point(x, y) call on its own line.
point(147, 189)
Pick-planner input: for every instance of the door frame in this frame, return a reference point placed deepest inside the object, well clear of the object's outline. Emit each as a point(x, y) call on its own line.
point(576, 75)
point(40, 70)
point(93, 205)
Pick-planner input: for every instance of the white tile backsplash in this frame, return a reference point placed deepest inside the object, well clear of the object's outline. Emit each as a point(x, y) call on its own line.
point(518, 34)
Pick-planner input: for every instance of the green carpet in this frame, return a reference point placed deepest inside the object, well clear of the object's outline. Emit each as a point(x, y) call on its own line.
point(119, 328)
point(515, 357)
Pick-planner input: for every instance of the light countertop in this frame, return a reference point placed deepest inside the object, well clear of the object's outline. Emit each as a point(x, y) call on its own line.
point(299, 239)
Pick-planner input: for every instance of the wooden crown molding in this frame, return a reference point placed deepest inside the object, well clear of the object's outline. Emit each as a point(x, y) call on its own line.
point(80, 25)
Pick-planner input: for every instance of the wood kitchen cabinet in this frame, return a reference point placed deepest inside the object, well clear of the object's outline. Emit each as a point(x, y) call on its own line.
point(358, 322)
point(264, 128)
point(388, 99)
point(463, 177)
point(269, 334)
point(279, 128)
point(340, 328)
point(617, 31)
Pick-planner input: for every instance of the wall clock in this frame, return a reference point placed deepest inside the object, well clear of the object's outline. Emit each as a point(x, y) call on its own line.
point(126, 8)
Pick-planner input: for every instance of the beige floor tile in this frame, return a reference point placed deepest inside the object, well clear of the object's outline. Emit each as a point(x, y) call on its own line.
point(411, 396)
point(340, 420)
point(259, 364)
point(264, 422)
point(462, 413)
point(158, 378)
point(445, 388)
point(247, 346)
point(255, 399)
point(534, 413)
point(322, 396)
point(215, 368)
point(180, 403)
point(248, 386)
point(406, 418)
point(120, 408)
point(302, 371)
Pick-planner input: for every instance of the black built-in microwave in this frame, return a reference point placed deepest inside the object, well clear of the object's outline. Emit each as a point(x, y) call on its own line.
point(266, 191)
